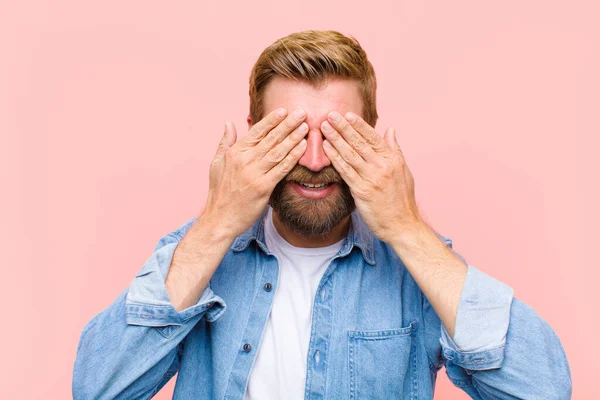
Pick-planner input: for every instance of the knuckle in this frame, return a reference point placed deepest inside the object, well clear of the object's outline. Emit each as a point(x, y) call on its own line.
point(388, 172)
point(347, 128)
point(362, 192)
point(345, 168)
point(290, 160)
point(230, 154)
point(268, 121)
point(336, 156)
point(274, 155)
point(298, 150)
point(290, 123)
point(286, 165)
point(270, 140)
point(373, 138)
point(350, 156)
point(334, 136)
point(377, 184)
point(299, 133)
point(257, 132)
point(358, 143)
point(262, 128)
point(359, 124)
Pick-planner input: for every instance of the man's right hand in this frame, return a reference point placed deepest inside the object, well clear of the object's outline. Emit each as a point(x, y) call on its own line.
point(242, 177)
point(243, 174)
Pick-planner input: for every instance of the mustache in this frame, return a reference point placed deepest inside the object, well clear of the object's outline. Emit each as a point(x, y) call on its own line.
point(302, 174)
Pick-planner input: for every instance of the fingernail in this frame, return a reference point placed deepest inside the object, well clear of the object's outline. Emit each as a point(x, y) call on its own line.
point(280, 113)
point(350, 117)
point(334, 116)
point(326, 144)
point(325, 126)
point(299, 114)
point(303, 127)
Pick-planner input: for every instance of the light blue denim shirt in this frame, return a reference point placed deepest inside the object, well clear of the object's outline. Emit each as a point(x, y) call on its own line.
point(374, 334)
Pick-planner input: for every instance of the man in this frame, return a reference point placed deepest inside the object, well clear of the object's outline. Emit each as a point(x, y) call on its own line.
point(310, 272)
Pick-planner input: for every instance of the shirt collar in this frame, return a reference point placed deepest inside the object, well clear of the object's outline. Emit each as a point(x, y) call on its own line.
point(358, 235)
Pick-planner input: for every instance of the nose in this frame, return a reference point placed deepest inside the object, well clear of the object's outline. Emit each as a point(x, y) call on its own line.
point(314, 157)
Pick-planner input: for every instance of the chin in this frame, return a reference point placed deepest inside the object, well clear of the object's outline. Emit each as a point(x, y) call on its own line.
point(311, 216)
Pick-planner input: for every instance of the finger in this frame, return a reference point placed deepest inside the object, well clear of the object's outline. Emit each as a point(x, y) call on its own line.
point(392, 141)
point(367, 132)
point(279, 152)
point(280, 132)
point(390, 138)
point(349, 174)
point(353, 138)
point(280, 170)
point(228, 139)
point(262, 128)
point(342, 147)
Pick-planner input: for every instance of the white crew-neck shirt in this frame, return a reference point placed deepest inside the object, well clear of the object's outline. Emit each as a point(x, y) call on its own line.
point(279, 371)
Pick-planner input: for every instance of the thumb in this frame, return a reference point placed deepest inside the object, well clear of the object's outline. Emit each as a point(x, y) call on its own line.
point(392, 141)
point(229, 138)
point(390, 138)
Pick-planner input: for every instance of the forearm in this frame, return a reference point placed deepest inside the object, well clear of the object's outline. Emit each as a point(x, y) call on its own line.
point(194, 262)
point(436, 269)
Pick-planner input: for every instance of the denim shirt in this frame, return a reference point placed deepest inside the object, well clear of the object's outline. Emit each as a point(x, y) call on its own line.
point(374, 334)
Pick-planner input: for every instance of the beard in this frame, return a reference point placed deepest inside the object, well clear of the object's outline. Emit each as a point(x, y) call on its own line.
point(312, 217)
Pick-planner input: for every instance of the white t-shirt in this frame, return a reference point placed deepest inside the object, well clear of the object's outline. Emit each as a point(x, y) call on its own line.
point(279, 371)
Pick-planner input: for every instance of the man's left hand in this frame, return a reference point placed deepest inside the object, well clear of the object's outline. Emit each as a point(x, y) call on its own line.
point(374, 168)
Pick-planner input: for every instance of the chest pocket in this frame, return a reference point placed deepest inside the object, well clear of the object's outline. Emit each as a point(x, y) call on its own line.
point(382, 363)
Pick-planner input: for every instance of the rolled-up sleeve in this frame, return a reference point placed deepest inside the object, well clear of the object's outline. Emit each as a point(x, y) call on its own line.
point(481, 323)
point(501, 349)
point(132, 348)
point(148, 302)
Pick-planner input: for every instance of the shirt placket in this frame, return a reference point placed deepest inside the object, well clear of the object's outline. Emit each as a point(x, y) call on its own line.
point(320, 337)
point(257, 321)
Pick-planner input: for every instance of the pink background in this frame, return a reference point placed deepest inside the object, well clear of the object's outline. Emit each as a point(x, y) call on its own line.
point(110, 113)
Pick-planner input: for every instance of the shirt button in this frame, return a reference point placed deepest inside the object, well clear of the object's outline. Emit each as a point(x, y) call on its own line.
point(323, 294)
point(317, 356)
point(268, 286)
point(247, 347)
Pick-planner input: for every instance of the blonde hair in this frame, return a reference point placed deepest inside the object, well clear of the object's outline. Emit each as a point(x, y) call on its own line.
point(314, 56)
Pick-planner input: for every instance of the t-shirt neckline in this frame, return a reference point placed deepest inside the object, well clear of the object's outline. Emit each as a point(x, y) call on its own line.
point(287, 247)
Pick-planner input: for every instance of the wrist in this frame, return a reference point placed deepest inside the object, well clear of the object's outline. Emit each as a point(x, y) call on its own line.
point(412, 234)
point(212, 232)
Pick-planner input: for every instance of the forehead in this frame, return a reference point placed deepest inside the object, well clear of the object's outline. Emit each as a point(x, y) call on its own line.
point(342, 95)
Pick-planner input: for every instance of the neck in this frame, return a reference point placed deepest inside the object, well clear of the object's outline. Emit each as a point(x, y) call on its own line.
point(293, 238)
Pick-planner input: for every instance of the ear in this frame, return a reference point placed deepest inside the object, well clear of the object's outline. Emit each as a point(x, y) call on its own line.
point(249, 121)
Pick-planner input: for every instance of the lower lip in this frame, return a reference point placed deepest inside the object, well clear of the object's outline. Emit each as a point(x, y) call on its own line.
point(313, 193)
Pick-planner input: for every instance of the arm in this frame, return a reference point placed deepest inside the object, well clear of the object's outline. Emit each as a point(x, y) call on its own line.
point(437, 270)
point(194, 262)
point(131, 349)
point(476, 310)
point(501, 349)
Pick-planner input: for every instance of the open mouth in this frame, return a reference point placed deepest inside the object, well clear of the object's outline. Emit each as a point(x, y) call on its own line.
point(314, 186)
point(313, 190)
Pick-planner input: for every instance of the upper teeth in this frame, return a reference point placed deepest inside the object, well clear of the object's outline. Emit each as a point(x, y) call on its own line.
point(310, 185)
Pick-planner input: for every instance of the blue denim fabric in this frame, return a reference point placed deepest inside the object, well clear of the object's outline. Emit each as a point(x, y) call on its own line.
point(374, 334)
